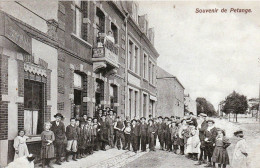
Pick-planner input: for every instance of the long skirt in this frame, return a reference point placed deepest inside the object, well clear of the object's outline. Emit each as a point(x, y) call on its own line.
point(47, 151)
point(220, 155)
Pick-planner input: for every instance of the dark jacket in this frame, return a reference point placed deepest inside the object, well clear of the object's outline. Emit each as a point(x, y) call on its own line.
point(211, 135)
point(59, 131)
point(135, 130)
point(151, 129)
point(143, 129)
point(71, 132)
point(202, 130)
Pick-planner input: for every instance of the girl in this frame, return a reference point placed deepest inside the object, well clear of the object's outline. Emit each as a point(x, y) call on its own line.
point(193, 142)
point(127, 132)
point(20, 145)
point(240, 153)
point(220, 154)
point(174, 132)
point(47, 137)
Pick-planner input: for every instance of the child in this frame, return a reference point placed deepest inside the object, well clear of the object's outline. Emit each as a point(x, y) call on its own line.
point(88, 136)
point(95, 130)
point(120, 126)
point(174, 135)
point(47, 137)
point(81, 140)
point(182, 131)
point(240, 153)
point(220, 154)
point(24, 161)
point(193, 142)
point(127, 132)
point(72, 138)
point(20, 145)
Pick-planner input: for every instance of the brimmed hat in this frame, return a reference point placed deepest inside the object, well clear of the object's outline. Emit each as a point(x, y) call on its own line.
point(58, 115)
point(203, 114)
point(160, 117)
point(133, 120)
point(211, 121)
point(166, 118)
point(142, 118)
point(150, 120)
point(238, 132)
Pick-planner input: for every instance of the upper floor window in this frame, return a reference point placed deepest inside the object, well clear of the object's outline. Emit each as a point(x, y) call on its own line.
point(78, 18)
point(130, 55)
point(100, 21)
point(145, 64)
point(136, 63)
point(114, 31)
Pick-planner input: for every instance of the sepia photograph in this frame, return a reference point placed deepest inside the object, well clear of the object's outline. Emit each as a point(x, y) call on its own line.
point(129, 84)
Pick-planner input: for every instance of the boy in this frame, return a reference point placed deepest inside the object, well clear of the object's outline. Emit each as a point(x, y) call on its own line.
point(143, 134)
point(151, 129)
point(134, 135)
point(72, 137)
point(120, 126)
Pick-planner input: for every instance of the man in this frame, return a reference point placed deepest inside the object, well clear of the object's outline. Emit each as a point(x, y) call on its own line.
point(161, 130)
point(143, 134)
point(103, 133)
point(134, 135)
point(100, 111)
point(151, 129)
point(166, 131)
point(111, 121)
point(120, 126)
point(72, 137)
point(202, 128)
point(138, 122)
point(58, 129)
point(168, 141)
point(210, 138)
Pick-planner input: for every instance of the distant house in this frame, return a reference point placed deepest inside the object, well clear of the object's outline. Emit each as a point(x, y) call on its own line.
point(170, 94)
point(190, 104)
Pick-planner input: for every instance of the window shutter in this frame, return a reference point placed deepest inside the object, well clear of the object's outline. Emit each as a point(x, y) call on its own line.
point(85, 27)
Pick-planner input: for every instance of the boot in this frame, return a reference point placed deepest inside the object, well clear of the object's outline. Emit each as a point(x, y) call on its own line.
point(74, 156)
point(67, 156)
point(58, 161)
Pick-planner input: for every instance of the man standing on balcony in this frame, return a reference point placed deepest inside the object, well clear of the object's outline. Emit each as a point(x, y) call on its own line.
point(58, 129)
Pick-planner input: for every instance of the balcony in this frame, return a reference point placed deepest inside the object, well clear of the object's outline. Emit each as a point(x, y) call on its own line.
point(105, 57)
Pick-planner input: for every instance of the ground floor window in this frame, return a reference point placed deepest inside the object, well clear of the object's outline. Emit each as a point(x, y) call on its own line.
point(152, 107)
point(33, 107)
point(144, 105)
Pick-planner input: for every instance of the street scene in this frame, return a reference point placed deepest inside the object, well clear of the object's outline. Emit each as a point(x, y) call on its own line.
point(129, 84)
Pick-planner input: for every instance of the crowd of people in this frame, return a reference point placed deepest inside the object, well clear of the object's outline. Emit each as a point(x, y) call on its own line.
point(194, 137)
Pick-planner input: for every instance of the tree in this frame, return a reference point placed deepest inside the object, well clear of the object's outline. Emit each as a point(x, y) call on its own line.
point(204, 106)
point(235, 103)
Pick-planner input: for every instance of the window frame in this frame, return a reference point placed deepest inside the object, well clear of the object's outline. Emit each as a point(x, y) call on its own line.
point(76, 26)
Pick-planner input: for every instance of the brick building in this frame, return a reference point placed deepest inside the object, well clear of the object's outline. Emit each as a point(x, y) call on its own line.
point(170, 95)
point(57, 57)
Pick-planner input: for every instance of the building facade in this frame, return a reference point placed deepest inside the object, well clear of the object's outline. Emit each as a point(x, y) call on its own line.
point(170, 95)
point(190, 104)
point(59, 59)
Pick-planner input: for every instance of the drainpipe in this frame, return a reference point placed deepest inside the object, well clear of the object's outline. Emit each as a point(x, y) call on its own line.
point(126, 61)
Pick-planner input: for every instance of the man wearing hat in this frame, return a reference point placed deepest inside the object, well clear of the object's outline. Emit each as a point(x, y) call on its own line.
point(58, 129)
point(210, 138)
point(151, 129)
point(134, 135)
point(143, 134)
point(202, 128)
point(161, 131)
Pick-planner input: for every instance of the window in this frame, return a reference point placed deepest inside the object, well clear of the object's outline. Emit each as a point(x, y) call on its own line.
point(130, 103)
point(145, 66)
point(144, 105)
point(130, 59)
point(77, 80)
point(136, 98)
point(33, 107)
point(153, 73)
point(113, 95)
point(150, 70)
point(115, 32)
point(100, 21)
point(136, 60)
point(78, 18)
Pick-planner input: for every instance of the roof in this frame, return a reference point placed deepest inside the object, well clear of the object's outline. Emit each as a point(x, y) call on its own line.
point(161, 73)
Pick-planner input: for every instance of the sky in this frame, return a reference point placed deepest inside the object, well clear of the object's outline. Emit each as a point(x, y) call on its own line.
point(212, 54)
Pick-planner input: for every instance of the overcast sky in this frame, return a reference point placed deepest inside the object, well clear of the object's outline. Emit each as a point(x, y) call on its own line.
point(211, 54)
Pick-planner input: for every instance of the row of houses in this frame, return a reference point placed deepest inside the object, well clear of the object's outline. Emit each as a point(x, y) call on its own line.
point(74, 57)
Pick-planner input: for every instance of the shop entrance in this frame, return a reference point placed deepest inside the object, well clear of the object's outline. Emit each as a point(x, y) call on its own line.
point(99, 93)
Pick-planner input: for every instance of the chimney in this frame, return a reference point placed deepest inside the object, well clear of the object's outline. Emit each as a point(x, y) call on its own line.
point(151, 35)
point(143, 23)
